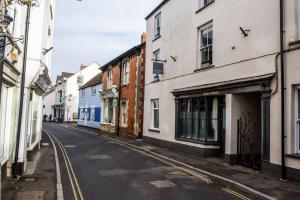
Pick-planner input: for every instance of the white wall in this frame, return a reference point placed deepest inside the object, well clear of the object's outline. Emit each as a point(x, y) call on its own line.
point(252, 56)
point(72, 89)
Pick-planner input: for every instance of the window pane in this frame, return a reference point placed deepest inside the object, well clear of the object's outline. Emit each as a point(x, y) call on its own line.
point(189, 119)
point(195, 107)
point(156, 119)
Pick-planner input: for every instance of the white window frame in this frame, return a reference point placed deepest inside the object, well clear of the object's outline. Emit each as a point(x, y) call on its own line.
point(298, 19)
point(80, 77)
point(5, 131)
point(81, 113)
point(156, 55)
point(297, 121)
point(203, 4)
point(152, 114)
point(94, 90)
point(201, 48)
point(157, 25)
point(92, 114)
point(126, 72)
point(110, 78)
point(124, 114)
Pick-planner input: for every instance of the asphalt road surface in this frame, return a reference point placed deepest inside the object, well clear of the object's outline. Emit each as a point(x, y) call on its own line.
point(96, 168)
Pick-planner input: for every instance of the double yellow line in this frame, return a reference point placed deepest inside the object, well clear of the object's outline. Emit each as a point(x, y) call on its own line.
point(238, 195)
point(74, 182)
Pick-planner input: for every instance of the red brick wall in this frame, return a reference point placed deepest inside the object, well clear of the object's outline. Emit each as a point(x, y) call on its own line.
point(115, 77)
point(128, 92)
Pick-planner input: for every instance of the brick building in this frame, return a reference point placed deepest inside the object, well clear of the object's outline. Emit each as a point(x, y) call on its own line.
point(123, 92)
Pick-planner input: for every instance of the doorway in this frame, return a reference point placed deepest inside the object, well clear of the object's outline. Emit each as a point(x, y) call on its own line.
point(249, 131)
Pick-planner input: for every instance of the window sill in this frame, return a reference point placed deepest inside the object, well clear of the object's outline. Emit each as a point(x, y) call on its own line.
point(156, 38)
point(125, 85)
point(197, 141)
point(296, 156)
point(154, 130)
point(155, 81)
point(204, 68)
point(202, 8)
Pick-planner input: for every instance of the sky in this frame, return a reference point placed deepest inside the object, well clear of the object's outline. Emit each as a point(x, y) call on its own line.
point(90, 31)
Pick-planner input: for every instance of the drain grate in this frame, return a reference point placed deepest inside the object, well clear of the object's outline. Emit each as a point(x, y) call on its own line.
point(31, 195)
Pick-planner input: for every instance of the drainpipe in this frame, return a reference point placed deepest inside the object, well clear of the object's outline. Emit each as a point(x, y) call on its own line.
point(22, 94)
point(282, 66)
point(119, 100)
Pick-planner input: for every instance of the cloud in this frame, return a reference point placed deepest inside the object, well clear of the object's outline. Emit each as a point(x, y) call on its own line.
point(96, 30)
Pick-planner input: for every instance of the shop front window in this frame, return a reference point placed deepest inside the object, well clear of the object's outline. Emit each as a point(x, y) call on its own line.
point(199, 119)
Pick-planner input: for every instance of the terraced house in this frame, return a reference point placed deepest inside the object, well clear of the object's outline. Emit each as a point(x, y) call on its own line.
point(123, 92)
point(211, 95)
point(90, 103)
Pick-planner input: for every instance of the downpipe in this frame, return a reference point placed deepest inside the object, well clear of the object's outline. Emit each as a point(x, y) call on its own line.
point(282, 69)
point(22, 94)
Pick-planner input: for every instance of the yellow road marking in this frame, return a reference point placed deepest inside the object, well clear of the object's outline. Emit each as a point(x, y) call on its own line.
point(240, 196)
point(70, 168)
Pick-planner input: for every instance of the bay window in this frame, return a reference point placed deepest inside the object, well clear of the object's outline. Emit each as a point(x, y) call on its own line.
point(199, 119)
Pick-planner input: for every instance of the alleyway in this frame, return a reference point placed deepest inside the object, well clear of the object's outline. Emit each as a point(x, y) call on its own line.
point(105, 170)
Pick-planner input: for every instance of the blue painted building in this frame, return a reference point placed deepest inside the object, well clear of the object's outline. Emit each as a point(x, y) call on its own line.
point(89, 109)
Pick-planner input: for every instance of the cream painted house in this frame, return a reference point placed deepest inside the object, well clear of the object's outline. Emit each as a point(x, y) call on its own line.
point(212, 85)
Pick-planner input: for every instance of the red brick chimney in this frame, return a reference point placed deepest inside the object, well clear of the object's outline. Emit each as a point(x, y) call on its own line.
point(82, 67)
point(143, 37)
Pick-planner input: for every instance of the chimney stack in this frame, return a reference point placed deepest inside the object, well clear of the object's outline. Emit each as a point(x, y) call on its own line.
point(143, 37)
point(82, 67)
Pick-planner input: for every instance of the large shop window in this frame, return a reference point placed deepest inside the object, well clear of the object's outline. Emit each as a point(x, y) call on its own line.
point(198, 119)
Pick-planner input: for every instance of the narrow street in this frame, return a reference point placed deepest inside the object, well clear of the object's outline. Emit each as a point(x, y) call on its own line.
point(101, 169)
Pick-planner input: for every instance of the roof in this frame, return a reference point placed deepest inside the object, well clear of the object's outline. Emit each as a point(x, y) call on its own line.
point(94, 81)
point(66, 74)
point(157, 8)
point(122, 56)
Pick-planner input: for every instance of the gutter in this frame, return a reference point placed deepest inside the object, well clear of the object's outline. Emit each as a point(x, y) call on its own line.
point(282, 68)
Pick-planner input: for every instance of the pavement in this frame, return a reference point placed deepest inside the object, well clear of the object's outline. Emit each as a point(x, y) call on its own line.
point(94, 167)
point(265, 184)
point(39, 180)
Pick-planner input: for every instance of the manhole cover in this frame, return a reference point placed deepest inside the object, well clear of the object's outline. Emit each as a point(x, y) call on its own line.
point(31, 195)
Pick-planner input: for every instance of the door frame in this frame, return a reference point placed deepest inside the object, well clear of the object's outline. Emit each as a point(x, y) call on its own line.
point(297, 121)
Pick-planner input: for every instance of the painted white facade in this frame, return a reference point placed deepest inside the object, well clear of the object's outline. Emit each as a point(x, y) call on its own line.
point(40, 37)
point(72, 90)
point(235, 59)
point(9, 103)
